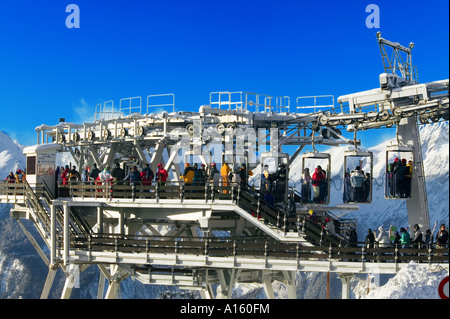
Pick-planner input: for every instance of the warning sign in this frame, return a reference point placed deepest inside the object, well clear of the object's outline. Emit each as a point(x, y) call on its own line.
point(443, 288)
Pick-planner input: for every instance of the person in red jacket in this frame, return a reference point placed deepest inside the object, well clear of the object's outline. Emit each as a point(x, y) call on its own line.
point(161, 174)
point(65, 175)
point(317, 178)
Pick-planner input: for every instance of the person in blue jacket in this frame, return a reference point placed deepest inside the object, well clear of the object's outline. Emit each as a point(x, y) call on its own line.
point(133, 176)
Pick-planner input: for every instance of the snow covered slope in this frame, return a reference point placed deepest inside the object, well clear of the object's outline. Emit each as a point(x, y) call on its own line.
point(11, 156)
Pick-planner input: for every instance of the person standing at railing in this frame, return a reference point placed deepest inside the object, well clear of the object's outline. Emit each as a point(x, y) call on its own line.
point(118, 173)
point(382, 238)
point(197, 175)
point(65, 175)
point(20, 176)
point(417, 238)
point(64, 191)
point(214, 175)
point(370, 239)
point(161, 175)
point(134, 176)
point(74, 175)
point(94, 173)
point(428, 238)
point(225, 172)
point(244, 175)
point(442, 237)
point(11, 178)
point(188, 174)
point(147, 175)
point(85, 174)
point(405, 238)
point(236, 179)
point(105, 175)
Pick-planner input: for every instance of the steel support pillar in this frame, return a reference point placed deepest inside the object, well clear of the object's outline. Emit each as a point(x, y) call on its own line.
point(268, 289)
point(49, 282)
point(227, 280)
point(417, 205)
point(345, 279)
point(289, 277)
point(207, 292)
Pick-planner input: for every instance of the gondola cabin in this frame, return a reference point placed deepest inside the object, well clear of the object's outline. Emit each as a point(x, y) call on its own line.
point(275, 175)
point(358, 172)
point(316, 171)
point(399, 172)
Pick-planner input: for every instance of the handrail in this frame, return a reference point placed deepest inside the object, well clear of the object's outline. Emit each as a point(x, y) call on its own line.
point(242, 196)
point(231, 246)
point(235, 246)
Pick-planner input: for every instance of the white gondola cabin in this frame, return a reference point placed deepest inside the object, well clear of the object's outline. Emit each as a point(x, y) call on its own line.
point(399, 172)
point(358, 172)
point(316, 170)
point(275, 175)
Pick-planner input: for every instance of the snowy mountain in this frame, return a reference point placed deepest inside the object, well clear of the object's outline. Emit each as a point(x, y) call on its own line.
point(22, 272)
point(11, 156)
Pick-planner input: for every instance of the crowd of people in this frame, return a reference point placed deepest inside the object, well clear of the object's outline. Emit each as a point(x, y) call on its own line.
point(64, 175)
point(18, 177)
point(398, 178)
point(192, 175)
point(211, 175)
point(357, 186)
point(405, 239)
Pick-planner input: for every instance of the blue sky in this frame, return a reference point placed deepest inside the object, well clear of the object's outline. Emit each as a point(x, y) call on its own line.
point(191, 48)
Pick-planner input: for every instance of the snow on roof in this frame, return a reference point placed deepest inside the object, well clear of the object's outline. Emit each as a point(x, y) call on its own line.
point(41, 148)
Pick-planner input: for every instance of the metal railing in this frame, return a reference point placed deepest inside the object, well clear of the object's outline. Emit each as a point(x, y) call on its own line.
point(133, 105)
point(256, 247)
point(243, 101)
point(315, 105)
point(329, 247)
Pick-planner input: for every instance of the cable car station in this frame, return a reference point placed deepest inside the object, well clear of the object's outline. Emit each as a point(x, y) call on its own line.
point(253, 229)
